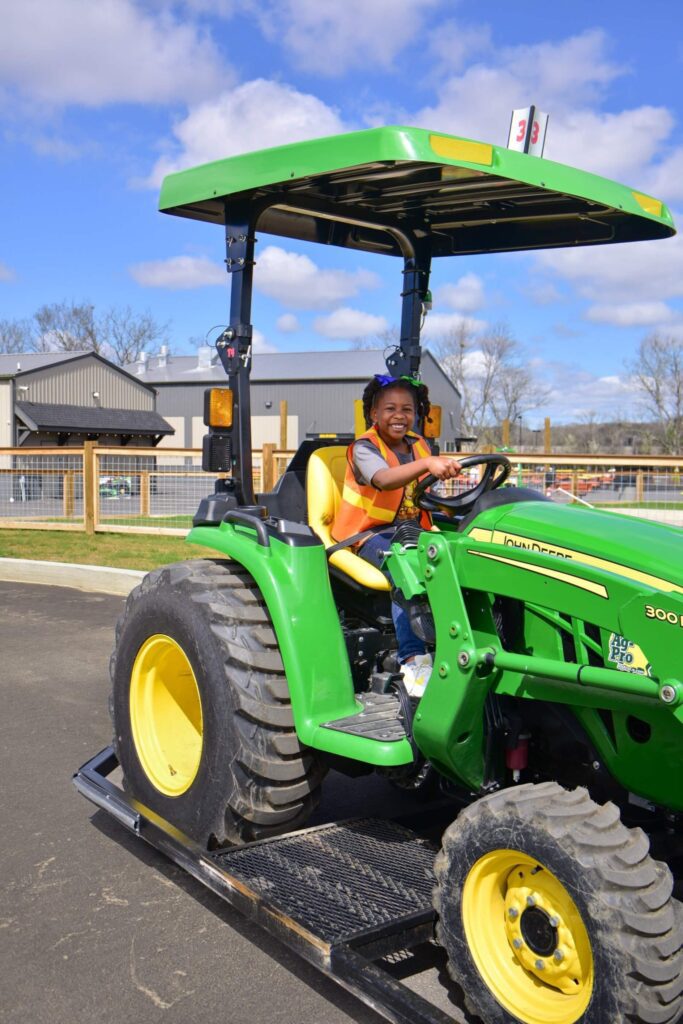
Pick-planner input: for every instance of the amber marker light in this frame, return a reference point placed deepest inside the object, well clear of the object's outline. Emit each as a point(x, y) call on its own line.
point(432, 427)
point(218, 408)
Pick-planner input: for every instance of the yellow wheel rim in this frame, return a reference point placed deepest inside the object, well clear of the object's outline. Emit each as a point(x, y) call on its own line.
point(527, 939)
point(166, 715)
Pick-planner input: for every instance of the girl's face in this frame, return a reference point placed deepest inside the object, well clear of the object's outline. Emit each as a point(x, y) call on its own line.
point(394, 413)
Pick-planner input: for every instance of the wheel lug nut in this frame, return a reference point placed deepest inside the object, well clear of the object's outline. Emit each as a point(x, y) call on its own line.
point(558, 956)
point(554, 920)
point(539, 965)
point(513, 913)
point(517, 943)
point(531, 901)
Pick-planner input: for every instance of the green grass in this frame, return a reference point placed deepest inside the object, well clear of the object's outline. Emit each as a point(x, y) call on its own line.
point(179, 522)
point(123, 551)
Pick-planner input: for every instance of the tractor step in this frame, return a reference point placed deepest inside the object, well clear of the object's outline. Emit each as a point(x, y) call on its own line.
point(342, 882)
point(349, 897)
point(379, 720)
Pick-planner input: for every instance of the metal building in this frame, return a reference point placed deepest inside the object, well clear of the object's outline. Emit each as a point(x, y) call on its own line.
point(67, 398)
point(319, 388)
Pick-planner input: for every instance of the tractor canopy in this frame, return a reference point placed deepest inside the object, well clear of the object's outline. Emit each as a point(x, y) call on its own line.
point(368, 190)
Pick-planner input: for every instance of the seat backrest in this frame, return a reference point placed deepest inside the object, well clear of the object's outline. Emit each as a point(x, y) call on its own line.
point(324, 482)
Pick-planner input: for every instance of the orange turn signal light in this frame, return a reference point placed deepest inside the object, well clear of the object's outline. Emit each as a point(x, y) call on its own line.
point(432, 427)
point(218, 406)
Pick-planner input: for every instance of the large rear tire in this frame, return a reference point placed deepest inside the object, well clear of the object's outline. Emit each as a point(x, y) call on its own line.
point(552, 912)
point(203, 725)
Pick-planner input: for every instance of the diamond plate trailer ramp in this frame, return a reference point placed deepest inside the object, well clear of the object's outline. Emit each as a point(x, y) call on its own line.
point(341, 895)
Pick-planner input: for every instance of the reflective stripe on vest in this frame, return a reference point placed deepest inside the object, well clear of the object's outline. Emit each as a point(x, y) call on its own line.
point(363, 505)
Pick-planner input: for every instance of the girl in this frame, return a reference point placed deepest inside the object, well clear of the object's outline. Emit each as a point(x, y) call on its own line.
point(384, 464)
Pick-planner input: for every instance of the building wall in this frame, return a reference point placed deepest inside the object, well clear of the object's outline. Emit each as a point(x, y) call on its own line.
point(6, 431)
point(74, 384)
point(320, 407)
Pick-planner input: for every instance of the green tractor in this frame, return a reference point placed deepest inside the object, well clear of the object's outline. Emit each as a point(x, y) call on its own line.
point(555, 708)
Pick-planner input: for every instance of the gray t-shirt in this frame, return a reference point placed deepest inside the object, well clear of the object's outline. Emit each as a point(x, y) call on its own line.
point(367, 460)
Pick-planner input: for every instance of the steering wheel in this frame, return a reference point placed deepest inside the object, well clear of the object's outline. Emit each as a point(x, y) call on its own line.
point(463, 502)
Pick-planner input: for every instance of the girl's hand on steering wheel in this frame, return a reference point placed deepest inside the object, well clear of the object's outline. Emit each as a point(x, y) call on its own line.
point(441, 467)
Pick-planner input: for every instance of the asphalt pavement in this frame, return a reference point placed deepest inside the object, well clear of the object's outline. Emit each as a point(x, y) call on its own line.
point(94, 924)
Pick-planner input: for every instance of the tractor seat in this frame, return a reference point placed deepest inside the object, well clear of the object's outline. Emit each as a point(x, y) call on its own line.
point(324, 481)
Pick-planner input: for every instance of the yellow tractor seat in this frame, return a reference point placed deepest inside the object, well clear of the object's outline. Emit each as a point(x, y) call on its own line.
point(324, 482)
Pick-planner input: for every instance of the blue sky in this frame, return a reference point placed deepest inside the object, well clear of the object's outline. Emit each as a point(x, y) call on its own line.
point(99, 99)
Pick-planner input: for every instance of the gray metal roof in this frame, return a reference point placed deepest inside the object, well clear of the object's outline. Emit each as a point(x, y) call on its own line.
point(28, 362)
point(24, 362)
point(79, 419)
point(356, 364)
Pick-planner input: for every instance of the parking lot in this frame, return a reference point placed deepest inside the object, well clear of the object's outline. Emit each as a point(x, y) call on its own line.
point(95, 924)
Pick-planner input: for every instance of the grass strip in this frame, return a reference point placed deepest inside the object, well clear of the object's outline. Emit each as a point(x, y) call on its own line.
point(121, 551)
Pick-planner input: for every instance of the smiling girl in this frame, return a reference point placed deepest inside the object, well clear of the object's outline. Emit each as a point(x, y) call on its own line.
point(384, 464)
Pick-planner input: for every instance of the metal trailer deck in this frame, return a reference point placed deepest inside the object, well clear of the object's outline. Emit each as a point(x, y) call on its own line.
point(341, 895)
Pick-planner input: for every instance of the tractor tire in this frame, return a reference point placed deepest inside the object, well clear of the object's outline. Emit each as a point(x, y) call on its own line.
point(203, 725)
point(551, 910)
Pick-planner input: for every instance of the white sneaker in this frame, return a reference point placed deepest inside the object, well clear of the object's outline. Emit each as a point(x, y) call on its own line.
point(416, 674)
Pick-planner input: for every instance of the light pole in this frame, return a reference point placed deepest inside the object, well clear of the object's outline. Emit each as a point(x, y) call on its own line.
point(519, 418)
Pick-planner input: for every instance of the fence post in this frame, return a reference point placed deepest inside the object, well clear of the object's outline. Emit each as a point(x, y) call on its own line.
point(90, 486)
point(283, 425)
point(640, 485)
point(268, 469)
point(68, 494)
point(547, 437)
point(144, 494)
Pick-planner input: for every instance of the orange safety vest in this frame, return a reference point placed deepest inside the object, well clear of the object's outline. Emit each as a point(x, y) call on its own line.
point(363, 505)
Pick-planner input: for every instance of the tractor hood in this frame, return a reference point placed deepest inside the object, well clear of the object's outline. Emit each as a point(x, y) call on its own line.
point(644, 551)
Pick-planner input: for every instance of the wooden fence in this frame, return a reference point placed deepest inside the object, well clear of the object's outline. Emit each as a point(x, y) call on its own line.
point(154, 490)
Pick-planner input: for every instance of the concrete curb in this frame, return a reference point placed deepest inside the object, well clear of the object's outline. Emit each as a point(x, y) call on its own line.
point(65, 574)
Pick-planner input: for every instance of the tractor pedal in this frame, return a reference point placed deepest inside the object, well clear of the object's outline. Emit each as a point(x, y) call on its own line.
point(380, 719)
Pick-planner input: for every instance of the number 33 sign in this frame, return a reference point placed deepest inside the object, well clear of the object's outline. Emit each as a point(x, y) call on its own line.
point(527, 131)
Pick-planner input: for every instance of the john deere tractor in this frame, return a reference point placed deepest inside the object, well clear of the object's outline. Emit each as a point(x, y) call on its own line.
point(555, 707)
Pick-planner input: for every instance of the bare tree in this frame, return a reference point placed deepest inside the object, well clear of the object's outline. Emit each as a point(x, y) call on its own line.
point(493, 381)
point(15, 336)
point(658, 374)
point(66, 327)
point(119, 334)
point(123, 333)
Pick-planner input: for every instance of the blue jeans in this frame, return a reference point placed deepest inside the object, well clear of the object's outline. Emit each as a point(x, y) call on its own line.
point(373, 551)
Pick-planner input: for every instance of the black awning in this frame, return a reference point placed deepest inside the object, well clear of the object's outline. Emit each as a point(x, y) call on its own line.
point(82, 419)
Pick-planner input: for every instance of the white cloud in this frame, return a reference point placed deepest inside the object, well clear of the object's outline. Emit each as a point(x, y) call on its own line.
point(543, 293)
point(330, 38)
point(288, 323)
point(259, 344)
point(665, 180)
point(609, 274)
point(90, 54)
point(255, 115)
point(179, 272)
point(559, 76)
point(618, 146)
point(6, 273)
point(465, 296)
point(454, 44)
point(568, 79)
point(296, 281)
point(631, 314)
point(576, 392)
point(347, 324)
point(439, 325)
